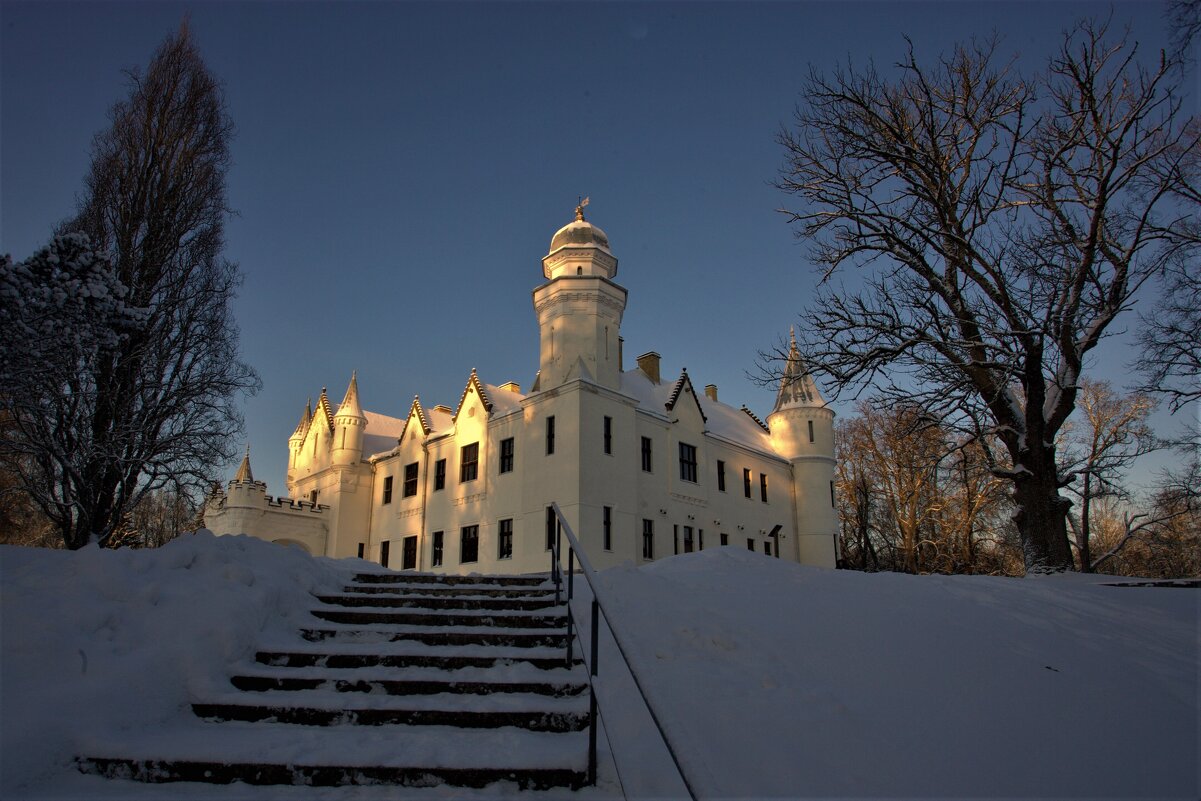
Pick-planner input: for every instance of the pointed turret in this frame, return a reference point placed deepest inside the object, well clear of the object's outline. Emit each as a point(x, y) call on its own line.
point(244, 475)
point(306, 419)
point(296, 441)
point(798, 390)
point(349, 425)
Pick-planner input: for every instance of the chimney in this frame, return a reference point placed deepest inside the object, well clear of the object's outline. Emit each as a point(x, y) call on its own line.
point(512, 386)
point(648, 363)
point(711, 392)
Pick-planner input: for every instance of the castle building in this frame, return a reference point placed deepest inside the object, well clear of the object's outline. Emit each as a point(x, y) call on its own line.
point(641, 466)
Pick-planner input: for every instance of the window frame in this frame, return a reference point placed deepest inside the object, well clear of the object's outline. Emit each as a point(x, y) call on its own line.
point(746, 481)
point(608, 437)
point(387, 494)
point(648, 539)
point(469, 534)
point(439, 475)
point(437, 548)
point(469, 462)
point(504, 538)
point(410, 485)
point(507, 449)
point(721, 476)
point(763, 487)
point(550, 435)
point(648, 451)
point(688, 463)
point(607, 528)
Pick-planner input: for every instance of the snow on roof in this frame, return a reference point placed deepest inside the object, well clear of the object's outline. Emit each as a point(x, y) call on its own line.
point(722, 420)
point(503, 400)
point(440, 419)
point(381, 433)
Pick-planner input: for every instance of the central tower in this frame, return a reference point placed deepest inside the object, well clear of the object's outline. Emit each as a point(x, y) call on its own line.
point(579, 308)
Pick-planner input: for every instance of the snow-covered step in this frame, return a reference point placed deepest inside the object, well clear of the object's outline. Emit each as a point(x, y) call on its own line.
point(513, 672)
point(437, 602)
point(346, 661)
point(429, 590)
point(434, 618)
point(331, 699)
point(448, 636)
point(467, 718)
point(256, 681)
point(453, 581)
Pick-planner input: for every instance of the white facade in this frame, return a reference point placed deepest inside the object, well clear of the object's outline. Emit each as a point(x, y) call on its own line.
point(642, 468)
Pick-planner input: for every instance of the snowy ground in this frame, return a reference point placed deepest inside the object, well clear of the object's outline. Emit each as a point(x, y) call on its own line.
point(772, 680)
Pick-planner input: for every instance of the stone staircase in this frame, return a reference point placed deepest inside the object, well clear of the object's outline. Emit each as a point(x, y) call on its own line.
point(403, 678)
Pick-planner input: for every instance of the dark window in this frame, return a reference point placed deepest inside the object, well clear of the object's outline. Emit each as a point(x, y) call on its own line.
point(608, 434)
point(763, 487)
point(469, 544)
point(750, 544)
point(410, 480)
point(687, 539)
point(746, 482)
point(811, 431)
point(469, 462)
point(607, 526)
point(504, 547)
point(439, 475)
point(700, 539)
point(646, 454)
point(767, 547)
point(506, 455)
point(437, 558)
point(721, 475)
point(551, 520)
point(550, 435)
point(313, 497)
point(387, 489)
point(384, 547)
point(648, 539)
point(362, 549)
point(832, 502)
point(687, 462)
point(725, 539)
point(409, 557)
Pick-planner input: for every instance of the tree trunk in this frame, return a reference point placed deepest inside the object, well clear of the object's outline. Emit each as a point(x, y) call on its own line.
point(1082, 546)
point(1041, 515)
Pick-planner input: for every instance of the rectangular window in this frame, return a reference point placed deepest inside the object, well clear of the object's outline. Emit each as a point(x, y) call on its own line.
point(436, 561)
point(410, 480)
point(700, 539)
point(675, 540)
point(648, 539)
point(387, 490)
point(607, 528)
point(832, 502)
point(811, 431)
point(550, 435)
point(469, 462)
point(646, 454)
point(362, 549)
point(313, 497)
point(439, 475)
point(687, 462)
point(746, 481)
point(409, 555)
point(551, 520)
point(750, 544)
point(767, 547)
point(469, 544)
point(725, 539)
point(504, 540)
point(506, 455)
point(608, 434)
point(763, 487)
point(721, 476)
point(384, 547)
point(687, 539)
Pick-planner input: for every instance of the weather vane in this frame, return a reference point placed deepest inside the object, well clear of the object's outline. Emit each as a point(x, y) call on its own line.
point(579, 209)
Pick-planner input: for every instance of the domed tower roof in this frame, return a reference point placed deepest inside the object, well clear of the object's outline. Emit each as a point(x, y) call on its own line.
point(579, 233)
point(579, 248)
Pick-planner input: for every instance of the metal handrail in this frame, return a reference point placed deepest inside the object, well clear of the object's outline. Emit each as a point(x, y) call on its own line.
point(575, 553)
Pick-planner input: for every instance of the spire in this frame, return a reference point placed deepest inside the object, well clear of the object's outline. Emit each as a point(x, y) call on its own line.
point(326, 413)
point(306, 419)
point(244, 476)
point(350, 404)
point(797, 388)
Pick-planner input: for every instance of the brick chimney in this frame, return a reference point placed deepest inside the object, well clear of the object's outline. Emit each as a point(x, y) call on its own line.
point(648, 363)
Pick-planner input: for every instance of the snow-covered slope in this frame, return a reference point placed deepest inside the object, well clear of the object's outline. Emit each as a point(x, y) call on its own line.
point(777, 680)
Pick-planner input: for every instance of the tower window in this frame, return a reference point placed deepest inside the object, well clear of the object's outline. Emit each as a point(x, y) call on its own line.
point(687, 462)
point(607, 528)
point(469, 462)
point(410, 488)
point(506, 455)
point(550, 435)
point(387, 490)
point(763, 487)
point(746, 481)
point(832, 502)
point(646, 454)
point(811, 431)
point(721, 475)
point(439, 475)
point(608, 434)
point(504, 541)
point(648, 539)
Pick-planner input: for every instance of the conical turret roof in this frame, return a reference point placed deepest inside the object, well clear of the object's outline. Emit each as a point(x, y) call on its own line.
point(797, 388)
point(350, 404)
point(306, 420)
point(244, 476)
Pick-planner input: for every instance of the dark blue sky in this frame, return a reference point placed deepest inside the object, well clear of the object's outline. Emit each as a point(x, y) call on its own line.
point(399, 168)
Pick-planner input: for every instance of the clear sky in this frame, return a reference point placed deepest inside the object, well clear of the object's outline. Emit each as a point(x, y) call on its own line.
point(399, 169)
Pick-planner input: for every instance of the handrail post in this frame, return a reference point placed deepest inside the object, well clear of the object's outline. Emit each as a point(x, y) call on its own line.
point(570, 573)
point(570, 636)
point(592, 698)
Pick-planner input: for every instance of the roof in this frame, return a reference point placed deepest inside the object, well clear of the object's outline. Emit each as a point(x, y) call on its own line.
point(382, 432)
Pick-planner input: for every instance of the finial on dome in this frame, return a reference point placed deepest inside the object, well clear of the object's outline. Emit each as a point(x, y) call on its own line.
point(579, 210)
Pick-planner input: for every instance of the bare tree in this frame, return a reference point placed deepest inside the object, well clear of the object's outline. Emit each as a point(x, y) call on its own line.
point(156, 409)
point(998, 226)
point(1111, 435)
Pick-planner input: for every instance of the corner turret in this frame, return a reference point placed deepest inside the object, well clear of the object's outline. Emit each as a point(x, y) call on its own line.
point(349, 425)
point(296, 441)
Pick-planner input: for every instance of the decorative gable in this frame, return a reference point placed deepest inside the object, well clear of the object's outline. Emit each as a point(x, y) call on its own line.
point(679, 393)
point(474, 385)
point(417, 414)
